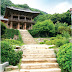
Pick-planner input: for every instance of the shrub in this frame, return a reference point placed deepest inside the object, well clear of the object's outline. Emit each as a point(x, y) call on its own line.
point(48, 43)
point(52, 38)
point(60, 27)
point(65, 34)
point(43, 29)
point(45, 40)
point(64, 57)
point(13, 42)
point(3, 28)
point(8, 54)
point(59, 36)
point(58, 41)
point(10, 34)
point(41, 42)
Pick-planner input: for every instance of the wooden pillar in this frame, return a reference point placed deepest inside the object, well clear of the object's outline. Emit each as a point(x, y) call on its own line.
point(25, 18)
point(11, 25)
point(25, 26)
point(31, 26)
point(31, 18)
point(18, 17)
point(18, 26)
point(11, 16)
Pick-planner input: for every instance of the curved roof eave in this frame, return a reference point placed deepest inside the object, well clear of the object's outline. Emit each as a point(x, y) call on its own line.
point(26, 10)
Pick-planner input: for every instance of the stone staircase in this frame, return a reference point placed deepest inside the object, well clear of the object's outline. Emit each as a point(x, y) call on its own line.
point(36, 59)
point(26, 37)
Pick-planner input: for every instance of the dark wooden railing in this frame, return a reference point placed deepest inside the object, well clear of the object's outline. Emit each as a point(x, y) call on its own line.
point(21, 20)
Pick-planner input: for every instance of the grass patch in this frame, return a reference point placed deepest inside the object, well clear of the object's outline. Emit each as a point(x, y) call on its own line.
point(13, 42)
point(19, 65)
point(53, 47)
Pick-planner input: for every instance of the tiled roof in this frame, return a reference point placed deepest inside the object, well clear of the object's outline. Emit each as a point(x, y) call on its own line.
point(21, 9)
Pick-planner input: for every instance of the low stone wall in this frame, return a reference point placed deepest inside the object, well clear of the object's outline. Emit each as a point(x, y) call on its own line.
point(2, 66)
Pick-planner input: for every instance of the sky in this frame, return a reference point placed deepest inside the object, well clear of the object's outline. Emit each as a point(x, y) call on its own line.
point(48, 6)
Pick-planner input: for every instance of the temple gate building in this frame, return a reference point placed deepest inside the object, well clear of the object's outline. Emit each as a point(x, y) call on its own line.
point(20, 18)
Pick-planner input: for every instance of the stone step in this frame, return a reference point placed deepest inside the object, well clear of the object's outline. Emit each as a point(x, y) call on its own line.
point(28, 40)
point(41, 70)
point(43, 60)
point(23, 36)
point(39, 56)
point(26, 37)
point(39, 65)
point(36, 46)
point(38, 52)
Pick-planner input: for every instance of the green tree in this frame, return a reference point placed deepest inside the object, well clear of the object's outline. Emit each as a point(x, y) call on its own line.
point(64, 17)
point(61, 27)
point(5, 3)
point(45, 28)
point(22, 6)
point(42, 17)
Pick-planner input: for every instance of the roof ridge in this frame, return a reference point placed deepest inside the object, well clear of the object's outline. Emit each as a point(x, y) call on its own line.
point(22, 9)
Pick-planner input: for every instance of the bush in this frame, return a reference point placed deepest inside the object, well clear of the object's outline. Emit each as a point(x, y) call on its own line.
point(43, 29)
point(58, 41)
point(41, 42)
point(65, 34)
point(8, 54)
point(61, 27)
point(10, 34)
point(3, 28)
point(48, 42)
point(13, 42)
point(59, 36)
point(45, 40)
point(64, 57)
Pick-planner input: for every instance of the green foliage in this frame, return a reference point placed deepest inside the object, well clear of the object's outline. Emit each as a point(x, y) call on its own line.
point(3, 28)
point(64, 57)
point(22, 6)
point(41, 18)
point(65, 34)
point(65, 17)
point(45, 28)
point(10, 34)
point(58, 41)
point(20, 37)
point(5, 3)
point(45, 40)
point(48, 42)
point(41, 42)
point(8, 54)
point(13, 42)
point(62, 27)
